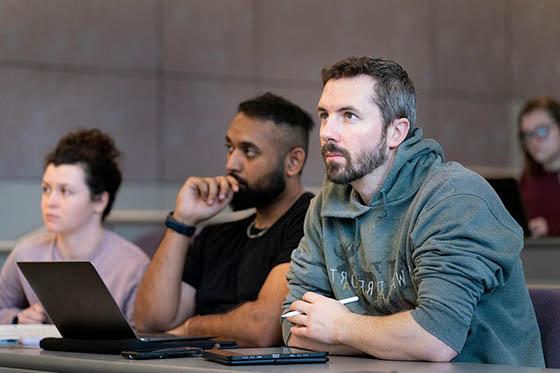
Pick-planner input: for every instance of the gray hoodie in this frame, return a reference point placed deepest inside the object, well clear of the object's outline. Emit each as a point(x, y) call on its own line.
point(435, 240)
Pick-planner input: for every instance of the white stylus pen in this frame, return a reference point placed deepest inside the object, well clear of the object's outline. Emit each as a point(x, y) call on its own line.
point(342, 301)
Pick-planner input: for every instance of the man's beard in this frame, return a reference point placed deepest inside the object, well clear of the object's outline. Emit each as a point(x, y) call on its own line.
point(366, 162)
point(266, 189)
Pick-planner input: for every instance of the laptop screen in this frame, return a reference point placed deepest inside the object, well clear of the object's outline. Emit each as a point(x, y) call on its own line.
point(508, 191)
point(77, 300)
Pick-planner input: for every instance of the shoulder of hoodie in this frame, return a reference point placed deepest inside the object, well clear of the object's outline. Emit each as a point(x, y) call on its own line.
point(451, 179)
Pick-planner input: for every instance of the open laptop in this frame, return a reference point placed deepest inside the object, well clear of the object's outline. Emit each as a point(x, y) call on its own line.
point(82, 308)
point(508, 191)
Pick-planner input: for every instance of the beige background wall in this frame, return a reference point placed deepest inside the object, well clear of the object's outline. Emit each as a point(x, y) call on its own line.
point(164, 77)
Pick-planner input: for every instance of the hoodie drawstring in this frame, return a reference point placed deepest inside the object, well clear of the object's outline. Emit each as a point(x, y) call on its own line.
point(356, 234)
point(384, 203)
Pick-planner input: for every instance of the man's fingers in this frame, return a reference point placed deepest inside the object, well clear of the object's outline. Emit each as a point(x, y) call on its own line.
point(202, 187)
point(301, 306)
point(311, 297)
point(218, 188)
point(300, 331)
point(233, 182)
point(300, 320)
point(212, 188)
point(225, 188)
point(229, 195)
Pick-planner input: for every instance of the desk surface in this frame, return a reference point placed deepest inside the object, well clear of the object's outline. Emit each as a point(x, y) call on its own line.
point(542, 243)
point(37, 359)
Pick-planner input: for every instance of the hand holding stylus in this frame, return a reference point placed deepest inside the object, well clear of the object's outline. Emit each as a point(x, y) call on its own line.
point(320, 318)
point(341, 301)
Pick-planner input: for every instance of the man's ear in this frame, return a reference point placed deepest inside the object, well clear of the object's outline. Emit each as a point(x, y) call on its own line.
point(100, 201)
point(397, 131)
point(293, 164)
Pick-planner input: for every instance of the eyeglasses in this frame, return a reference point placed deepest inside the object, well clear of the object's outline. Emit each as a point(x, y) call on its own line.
point(541, 133)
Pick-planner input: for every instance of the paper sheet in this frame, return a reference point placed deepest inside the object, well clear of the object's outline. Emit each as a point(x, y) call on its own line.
point(28, 334)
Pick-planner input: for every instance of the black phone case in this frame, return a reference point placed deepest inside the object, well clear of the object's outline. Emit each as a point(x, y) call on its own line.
point(166, 353)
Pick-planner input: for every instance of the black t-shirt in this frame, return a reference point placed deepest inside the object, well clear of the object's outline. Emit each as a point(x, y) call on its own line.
point(227, 268)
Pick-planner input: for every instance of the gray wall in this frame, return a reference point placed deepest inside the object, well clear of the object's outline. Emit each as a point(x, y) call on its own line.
point(164, 77)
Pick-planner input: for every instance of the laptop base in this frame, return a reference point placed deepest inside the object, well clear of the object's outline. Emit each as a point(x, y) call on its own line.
point(116, 346)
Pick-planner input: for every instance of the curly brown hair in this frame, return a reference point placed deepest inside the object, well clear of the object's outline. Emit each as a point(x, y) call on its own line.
point(96, 152)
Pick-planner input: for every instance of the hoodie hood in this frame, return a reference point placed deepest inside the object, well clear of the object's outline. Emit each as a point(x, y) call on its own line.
point(413, 160)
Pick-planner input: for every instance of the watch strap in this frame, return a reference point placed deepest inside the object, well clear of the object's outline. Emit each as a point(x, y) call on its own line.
point(174, 225)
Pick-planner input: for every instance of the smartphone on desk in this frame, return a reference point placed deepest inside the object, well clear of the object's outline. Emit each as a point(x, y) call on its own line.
point(268, 355)
point(163, 353)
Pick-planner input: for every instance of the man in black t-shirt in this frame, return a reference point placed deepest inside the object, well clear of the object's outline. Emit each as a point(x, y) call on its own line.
point(230, 280)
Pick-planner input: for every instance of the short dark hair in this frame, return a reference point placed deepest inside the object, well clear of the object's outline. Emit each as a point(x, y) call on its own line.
point(96, 152)
point(394, 91)
point(547, 104)
point(282, 112)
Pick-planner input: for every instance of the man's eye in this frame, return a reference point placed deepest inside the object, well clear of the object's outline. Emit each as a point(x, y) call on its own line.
point(229, 148)
point(249, 152)
point(45, 188)
point(323, 116)
point(349, 115)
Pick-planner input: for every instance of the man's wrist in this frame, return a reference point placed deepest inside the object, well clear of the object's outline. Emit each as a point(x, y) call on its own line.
point(179, 226)
point(182, 219)
point(344, 328)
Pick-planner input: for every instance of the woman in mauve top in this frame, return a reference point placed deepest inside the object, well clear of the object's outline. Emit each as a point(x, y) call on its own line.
point(539, 134)
point(79, 184)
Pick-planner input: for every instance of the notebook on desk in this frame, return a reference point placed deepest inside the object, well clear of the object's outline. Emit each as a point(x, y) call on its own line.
point(86, 315)
point(26, 334)
point(508, 191)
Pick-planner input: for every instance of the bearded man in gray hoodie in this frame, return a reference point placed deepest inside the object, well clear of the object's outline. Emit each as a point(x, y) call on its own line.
point(426, 246)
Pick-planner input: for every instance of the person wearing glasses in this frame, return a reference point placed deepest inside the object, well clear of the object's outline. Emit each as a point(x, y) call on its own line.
point(79, 185)
point(539, 134)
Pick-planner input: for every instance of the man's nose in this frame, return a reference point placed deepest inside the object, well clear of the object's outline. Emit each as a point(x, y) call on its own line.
point(330, 130)
point(234, 162)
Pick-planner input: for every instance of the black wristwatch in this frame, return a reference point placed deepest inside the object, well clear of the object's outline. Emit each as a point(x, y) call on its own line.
point(174, 225)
